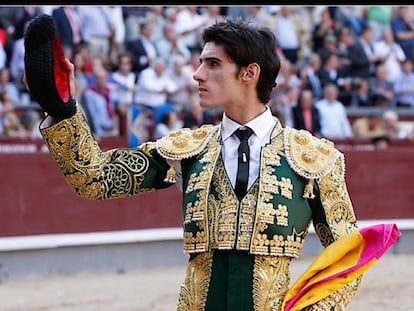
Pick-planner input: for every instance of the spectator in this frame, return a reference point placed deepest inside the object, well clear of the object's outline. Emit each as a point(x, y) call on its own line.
point(117, 38)
point(17, 64)
point(333, 117)
point(352, 16)
point(189, 24)
point(134, 16)
point(99, 105)
point(362, 55)
point(392, 127)
point(381, 142)
point(368, 127)
point(123, 83)
point(305, 115)
point(9, 86)
point(330, 46)
point(404, 85)
point(391, 53)
point(331, 72)
point(15, 18)
point(154, 86)
point(381, 90)
point(283, 106)
point(9, 120)
point(97, 29)
point(80, 61)
point(168, 123)
point(309, 75)
point(194, 117)
point(171, 45)
point(68, 28)
point(379, 19)
point(402, 26)
point(361, 97)
point(287, 78)
point(181, 98)
point(156, 15)
point(259, 17)
point(323, 28)
point(345, 41)
point(212, 14)
point(143, 49)
point(291, 33)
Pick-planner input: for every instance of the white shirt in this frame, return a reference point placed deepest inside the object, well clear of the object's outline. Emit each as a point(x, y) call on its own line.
point(334, 120)
point(262, 127)
point(393, 55)
point(151, 86)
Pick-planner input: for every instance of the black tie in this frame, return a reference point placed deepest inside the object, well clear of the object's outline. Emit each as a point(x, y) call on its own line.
point(243, 161)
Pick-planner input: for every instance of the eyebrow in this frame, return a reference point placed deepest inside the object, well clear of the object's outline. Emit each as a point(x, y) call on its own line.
point(210, 59)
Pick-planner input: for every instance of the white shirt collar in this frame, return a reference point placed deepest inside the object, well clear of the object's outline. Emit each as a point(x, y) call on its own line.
point(260, 125)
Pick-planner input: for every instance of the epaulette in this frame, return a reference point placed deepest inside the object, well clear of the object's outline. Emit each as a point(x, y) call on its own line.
point(185, 143)
point(309, 156)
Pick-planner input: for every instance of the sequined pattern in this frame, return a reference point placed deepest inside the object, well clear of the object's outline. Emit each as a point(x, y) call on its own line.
point(193, 292)
point(90, 172)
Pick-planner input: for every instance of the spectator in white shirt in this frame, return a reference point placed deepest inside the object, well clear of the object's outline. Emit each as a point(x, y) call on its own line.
point(333, 117)
point(391, 53)
point(154, 85)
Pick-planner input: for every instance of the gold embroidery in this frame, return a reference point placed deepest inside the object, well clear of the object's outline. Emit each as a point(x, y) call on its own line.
point(170, 177)
point(282, 215)
point(194, 290)
point(324, 234)
point(226, 209)
point(90, 172)
point(197, 211)
point(336, 202)
point(185, 143)
point(246, 219)
point(309, 156)
point(278, 244)
point(271, 279)
point(286, 187)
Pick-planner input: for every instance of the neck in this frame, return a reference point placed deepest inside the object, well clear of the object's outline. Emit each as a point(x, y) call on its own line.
point(245, 115)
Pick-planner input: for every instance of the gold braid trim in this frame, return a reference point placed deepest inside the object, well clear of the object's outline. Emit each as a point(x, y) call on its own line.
point(194, 290)
point(185, 143)
point(309, 156)
point(91, 173)
point(271, 279)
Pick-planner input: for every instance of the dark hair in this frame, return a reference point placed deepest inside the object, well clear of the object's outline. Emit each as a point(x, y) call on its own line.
point(245, 44)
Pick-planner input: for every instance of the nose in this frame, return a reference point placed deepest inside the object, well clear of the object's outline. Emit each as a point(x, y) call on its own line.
point(197, 75)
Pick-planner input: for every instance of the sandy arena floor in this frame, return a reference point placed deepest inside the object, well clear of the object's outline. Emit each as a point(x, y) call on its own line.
point(388, 285)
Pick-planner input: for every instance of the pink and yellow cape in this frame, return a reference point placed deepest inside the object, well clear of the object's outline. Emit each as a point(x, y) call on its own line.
point(340, 263)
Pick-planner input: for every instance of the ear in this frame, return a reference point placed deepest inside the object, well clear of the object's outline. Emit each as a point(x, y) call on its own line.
point(252, 72)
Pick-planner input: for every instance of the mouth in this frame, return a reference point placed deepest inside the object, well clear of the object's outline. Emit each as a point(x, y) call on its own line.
point(202, 90)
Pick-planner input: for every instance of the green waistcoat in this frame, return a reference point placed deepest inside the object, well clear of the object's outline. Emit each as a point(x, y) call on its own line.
point(272, 219)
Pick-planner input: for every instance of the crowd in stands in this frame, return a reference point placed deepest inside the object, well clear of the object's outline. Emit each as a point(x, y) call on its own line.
point(134, 67)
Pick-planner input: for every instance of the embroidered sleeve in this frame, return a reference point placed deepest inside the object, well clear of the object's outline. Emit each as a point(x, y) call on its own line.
point(333, 217)
point(99, 175)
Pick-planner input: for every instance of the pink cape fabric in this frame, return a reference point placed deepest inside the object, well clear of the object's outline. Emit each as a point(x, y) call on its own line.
point(340, 263)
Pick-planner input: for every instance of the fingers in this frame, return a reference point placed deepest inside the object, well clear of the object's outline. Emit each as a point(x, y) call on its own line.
point(71, 75)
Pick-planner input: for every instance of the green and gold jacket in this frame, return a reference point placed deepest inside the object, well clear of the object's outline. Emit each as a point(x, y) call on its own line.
point(301, 180)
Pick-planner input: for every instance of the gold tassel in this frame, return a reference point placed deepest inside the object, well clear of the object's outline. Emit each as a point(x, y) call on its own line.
point(308, 192)
point(170, 175)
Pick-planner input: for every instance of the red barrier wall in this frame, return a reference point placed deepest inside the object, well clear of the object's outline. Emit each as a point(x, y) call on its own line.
point(35, 199)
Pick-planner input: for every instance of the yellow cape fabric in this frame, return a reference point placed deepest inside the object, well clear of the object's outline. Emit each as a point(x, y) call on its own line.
point(339, 256)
